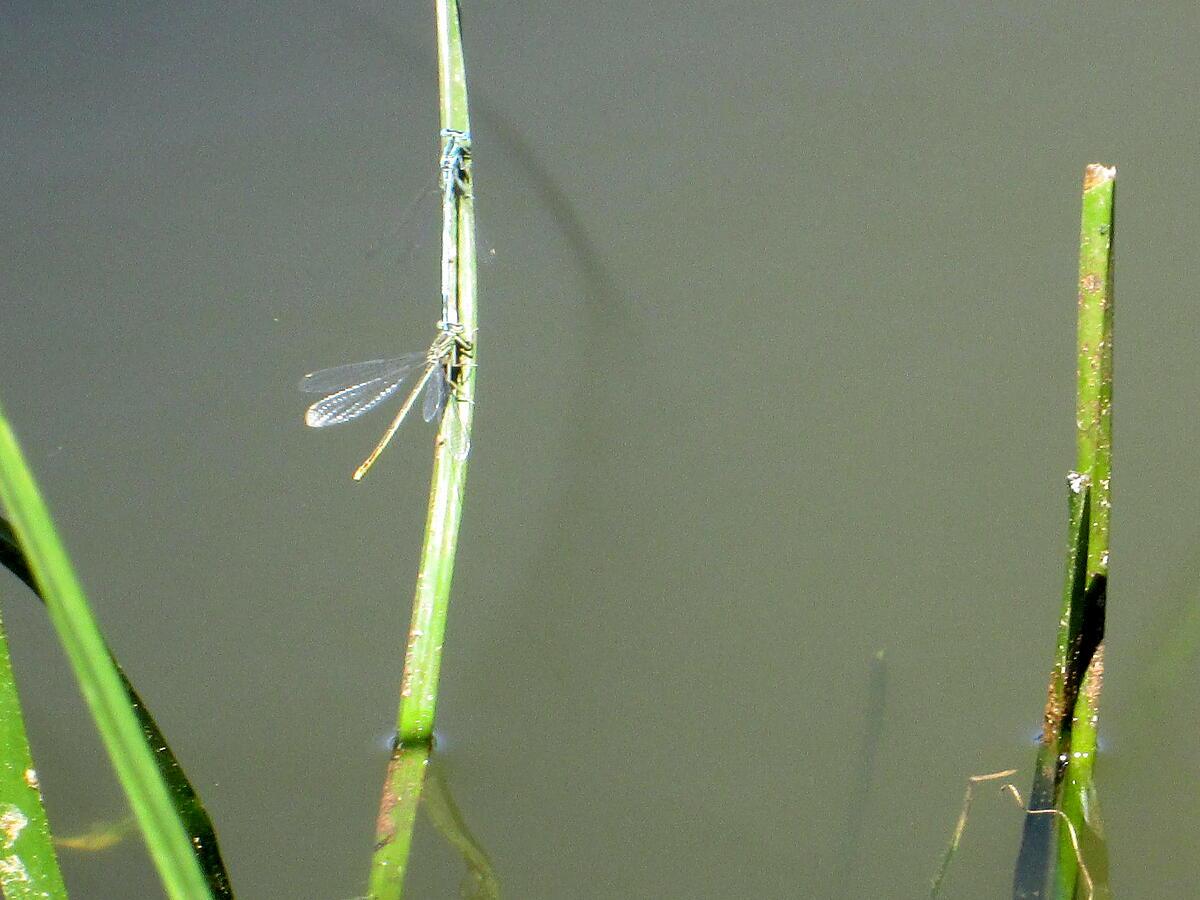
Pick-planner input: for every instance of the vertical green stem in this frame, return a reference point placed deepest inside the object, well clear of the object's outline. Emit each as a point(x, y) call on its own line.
point(1093, 456)
point(1064, 776)
point(1093, 412)
point(422, 662)
point(423, 656)
point(397, 817)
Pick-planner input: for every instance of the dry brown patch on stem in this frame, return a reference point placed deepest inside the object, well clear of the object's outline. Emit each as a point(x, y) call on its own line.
point(1095, 677)
point(1096, 174)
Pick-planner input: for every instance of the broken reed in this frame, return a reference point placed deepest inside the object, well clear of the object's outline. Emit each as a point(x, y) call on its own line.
point(1067, 751)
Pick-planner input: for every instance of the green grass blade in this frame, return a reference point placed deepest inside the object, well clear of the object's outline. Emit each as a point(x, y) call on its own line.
point(188, 806)
point(28, 864)
point(101, 685)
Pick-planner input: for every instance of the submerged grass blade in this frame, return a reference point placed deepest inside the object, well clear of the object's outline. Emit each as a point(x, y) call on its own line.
point(480, 882)
point(864, 769)
point(149, 795)
point(28, 863)
point(100, 837)
point(964, 814)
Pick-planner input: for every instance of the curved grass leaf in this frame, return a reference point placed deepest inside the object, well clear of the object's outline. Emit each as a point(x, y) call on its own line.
point(102, 686)
point(12, 558)
point(188, 805)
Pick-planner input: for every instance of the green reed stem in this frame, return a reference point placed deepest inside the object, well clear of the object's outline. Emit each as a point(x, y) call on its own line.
point(397, 818)
point(1093, 418)
point(1093, 441)
point(1064, 776)
point(423, 656)
point(422, 661)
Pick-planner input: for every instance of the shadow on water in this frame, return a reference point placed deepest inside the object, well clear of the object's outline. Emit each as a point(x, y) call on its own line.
point(589, 417)
point(864, 770)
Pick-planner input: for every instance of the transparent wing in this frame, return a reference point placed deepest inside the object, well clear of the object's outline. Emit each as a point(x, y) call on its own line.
point(357, 399)
point(350, 403)
point(458, 439)
point(342, 377)
point(435, 394)
point(414, 228)
point(417, 228)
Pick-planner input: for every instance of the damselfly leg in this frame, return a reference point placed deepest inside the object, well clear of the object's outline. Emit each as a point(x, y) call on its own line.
point(355, 389)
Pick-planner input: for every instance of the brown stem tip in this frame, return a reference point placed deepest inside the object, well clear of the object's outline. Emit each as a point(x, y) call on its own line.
point(1096, 174)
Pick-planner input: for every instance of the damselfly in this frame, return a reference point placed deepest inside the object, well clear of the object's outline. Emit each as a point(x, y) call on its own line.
point(356, 389)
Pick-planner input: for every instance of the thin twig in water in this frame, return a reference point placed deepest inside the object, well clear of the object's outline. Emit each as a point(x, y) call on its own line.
point(1087, 878)
point(961, 826)
point(1011, 789)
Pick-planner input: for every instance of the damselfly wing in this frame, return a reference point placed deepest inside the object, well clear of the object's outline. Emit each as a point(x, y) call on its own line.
point(355, 389)
point(437, 393)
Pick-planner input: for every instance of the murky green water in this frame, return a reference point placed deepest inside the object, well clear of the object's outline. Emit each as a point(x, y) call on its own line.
point(776, 372)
